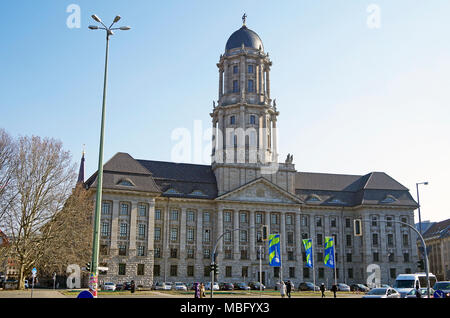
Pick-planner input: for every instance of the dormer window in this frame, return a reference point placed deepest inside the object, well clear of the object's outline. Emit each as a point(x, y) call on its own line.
point(313, 199)
point(336, 201)
point(389, 199)
point(126, 183)
point(198, 193)
point(172, 191)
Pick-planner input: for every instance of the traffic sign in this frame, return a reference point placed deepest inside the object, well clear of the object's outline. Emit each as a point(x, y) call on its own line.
point(439, 294)
point(34, 271)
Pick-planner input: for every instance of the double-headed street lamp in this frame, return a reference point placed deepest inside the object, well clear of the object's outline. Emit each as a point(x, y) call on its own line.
point(418, 204)
point(93, 277)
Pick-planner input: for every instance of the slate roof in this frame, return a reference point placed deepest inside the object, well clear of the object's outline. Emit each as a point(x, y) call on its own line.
point(170, 179)
point(244, 36)
point(438, 230)
point(375, 188)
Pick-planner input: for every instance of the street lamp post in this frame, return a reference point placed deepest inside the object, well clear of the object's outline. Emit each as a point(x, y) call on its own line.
point(418, 204)
point(93, 277)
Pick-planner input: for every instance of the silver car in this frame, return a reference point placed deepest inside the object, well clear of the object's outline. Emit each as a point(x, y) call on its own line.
point(423, 293)
point(382, 293)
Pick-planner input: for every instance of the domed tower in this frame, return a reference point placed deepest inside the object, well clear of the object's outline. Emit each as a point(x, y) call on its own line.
point(244, 119)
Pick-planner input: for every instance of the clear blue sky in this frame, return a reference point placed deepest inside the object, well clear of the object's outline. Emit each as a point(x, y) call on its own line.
point(352, 99)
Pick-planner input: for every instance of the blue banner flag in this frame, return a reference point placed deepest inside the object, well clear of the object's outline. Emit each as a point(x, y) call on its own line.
point(329, 252)
point(274, 250)
point(308, 248)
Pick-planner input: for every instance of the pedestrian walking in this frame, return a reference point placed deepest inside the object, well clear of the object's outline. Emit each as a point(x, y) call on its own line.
point(282, 289)
point(132, 286)
point(322, 289)
point(418, 294)
point(288, 288)
point(196, 290)
point(334, 290)
point(202, 291)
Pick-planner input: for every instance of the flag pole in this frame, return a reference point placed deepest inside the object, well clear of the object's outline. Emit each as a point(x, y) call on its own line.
point(334, 261)
point(313, 262)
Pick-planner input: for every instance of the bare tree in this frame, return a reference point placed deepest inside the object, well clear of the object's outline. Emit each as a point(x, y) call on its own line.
point(7, 151)
point(43, 178)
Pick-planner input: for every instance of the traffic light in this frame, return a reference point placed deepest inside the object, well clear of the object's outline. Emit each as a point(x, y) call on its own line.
point(264, 233)
point(421, 264)
point(216, 269)
point(357, 227)
point(88, 267)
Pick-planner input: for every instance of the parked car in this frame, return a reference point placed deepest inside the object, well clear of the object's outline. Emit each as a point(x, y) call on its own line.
point(423, 293)
point(359, 288)
point(109, 286)
point(256, 286)
point(241, 286)
point(167, 286)
point(343, 287)
point(385, 286)
point(215, 286)
point(226, 286)
point(305, 286)
point(157, 286)
point(444, 286)
point(180, 286)
point(382, 293)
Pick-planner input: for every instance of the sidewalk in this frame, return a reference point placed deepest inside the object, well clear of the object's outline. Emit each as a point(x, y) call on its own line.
point(37, 293)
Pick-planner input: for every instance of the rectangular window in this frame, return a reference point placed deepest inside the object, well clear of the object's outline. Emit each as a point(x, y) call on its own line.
point(349, 257)
point(227, 217)
point(206, 271)
point(306, 272)
point(206, 235)
point(348, 240)
point(122, 269)
point(124, 207)
point(347, 222)
point(404, 220)
point(105, 229)
point(250, 68)
point(206, 253)
point(319, 240)
point(142, 230)
point(290, 255)
point(374, 221)
point(390, 241)
point(190, 216)
point(142, 210)
point(391, 257)
point(206, 218)
point(156, 270)
point(243, 236)
point(141, 250)
point(304, 220)
point(276, 272)
point(174, 215)
point(228, 254)
point(122, 250)
point(190, 271)
point(243, 217)
point(389, 223)
point(106, 208)
point(173, 253)
point(259, 236)
point(318, 221)
point(190, 234)
point(235, 69)
point(393, 273)
point(157, 252)
point(235, 86)
point(140, 269)
point(173, 270)
point(289, 219)
point(406, 257)
point(228, 271)
point(290, 237)
point(291, 272)
point(250, 86)
point(252, 120)
point(227, 237)
point(320, 257)
point(157, 214)
point(333, 222)
point(190, 253)
point(157, 234)
point(321, 272)
point(350, 273)
point(174, 234)
point(245, 271)
point(376, 257)
point(375, 239)
point(274, 218)
point(104, 249)
point(244, 254)
point(405, 240)
point(123, 229)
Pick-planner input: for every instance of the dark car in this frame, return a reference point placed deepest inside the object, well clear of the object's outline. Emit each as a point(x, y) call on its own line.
point(241, 286)
point(123, 286)
point(256, 286)
point(226, 286)
point(305, 286)
point(359, 288)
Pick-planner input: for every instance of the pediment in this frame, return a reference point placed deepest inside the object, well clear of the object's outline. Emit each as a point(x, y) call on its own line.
point(260, 191)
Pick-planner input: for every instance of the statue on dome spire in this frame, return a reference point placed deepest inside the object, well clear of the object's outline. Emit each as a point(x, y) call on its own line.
point(244, 17)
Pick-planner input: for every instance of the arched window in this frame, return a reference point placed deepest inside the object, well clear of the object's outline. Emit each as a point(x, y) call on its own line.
point(125, 182)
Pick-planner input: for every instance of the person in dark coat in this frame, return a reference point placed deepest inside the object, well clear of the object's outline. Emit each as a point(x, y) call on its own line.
point(334, 290)
point(288, 288)
point(418, 294)
point(322, 289)
point(132, 286)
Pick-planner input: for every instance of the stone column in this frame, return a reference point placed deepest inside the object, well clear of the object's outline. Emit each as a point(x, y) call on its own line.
point(268, 82)
point(242, 73)
point(165, 246)
point(274, 140)
point(220, 83)
point(236, 241)
point(133, 219)
point(114, 227)
point(252, 236)
point(261, 82)
point(298, 244)
point(226, 78)
point(150, 241)
point(283, 235)
point(220, 135)
point(182, 256)
point(199, 251)
point(398, 241)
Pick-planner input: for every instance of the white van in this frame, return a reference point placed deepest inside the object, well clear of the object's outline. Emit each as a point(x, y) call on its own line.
point(406, 282)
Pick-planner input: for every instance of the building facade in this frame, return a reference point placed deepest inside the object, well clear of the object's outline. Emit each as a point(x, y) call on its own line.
point(161, 220)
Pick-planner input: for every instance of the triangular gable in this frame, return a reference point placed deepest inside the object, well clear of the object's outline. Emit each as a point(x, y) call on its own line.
point(123, 162)
point(260, 190)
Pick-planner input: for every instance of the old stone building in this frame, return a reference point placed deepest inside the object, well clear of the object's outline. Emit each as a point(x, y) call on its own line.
point(161, 220)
